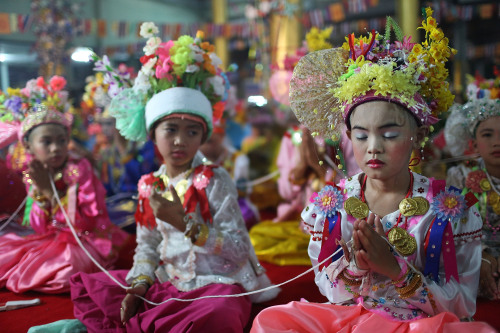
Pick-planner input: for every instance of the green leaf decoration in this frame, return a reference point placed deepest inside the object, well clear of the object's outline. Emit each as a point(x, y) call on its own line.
point(391, 24)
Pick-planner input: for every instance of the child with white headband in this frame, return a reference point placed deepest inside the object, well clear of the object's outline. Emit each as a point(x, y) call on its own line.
point(191, 237)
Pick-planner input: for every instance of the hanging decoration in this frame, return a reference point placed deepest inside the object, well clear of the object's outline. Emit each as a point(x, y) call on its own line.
point(53, 26)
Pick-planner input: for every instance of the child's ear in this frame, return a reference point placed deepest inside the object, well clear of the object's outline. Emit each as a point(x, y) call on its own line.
point(473, 143)
point(421, 134)
point(27, 146)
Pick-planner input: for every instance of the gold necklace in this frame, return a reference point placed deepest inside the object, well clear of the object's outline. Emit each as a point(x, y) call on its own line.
point(404, 243)
point(180, 187)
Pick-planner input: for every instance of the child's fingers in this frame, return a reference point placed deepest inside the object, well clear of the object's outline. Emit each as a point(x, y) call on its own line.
point(378, 226)
point(356, 244)
point(347, 254)
point(174, 194)
point(371, 219)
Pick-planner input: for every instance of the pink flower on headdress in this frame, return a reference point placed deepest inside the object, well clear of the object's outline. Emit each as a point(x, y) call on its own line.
point(57, 83)
point(164, 66)
point(30, 86)
point(406, 45)
point(40, 82)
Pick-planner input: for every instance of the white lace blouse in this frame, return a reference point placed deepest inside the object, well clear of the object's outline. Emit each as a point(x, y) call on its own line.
point(376, 293)
point(226, 257)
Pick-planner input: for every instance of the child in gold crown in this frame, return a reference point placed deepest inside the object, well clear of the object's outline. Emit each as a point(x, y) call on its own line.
point(398, 263)
point(44, 261)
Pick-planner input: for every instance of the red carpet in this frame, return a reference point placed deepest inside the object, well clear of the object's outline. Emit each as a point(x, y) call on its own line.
point(56, 307)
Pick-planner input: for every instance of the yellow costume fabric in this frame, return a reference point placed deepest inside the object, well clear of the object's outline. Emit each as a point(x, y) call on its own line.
point(281, 243)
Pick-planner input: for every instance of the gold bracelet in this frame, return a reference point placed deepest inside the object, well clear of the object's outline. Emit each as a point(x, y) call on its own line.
point(39, 197)
point(400, 280)
point(412, 292)
point(202, 236)
point(142, 279)
point(409, 290)
point(409, 285)
point(347, 281)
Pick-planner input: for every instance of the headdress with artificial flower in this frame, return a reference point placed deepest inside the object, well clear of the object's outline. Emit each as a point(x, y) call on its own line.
point(37, 103)
point(104, 85)
point(327, 85)
point(483, 102)
point(187, 62)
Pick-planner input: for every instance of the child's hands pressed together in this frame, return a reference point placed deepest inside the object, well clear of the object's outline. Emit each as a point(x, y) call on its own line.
point(171, 212)
point(39, 173)
point(371, 251)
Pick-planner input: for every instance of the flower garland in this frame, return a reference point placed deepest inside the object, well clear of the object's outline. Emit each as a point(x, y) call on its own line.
point(187, 62)
point(18, 102)
point(399, 69)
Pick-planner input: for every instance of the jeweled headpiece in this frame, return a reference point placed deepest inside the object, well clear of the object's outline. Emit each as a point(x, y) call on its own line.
point(187, 64)
point(327, 85)
point(37, 103)
point(483, 103)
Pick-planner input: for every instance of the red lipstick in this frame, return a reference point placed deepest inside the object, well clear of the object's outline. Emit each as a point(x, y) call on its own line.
point(375, 164)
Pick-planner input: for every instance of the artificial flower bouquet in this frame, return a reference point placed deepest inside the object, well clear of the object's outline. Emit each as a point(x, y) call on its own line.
point(186, 62)
point(400, 68)
point(17, 102)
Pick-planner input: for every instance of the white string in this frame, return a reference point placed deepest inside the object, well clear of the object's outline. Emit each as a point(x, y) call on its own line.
point(72, 228)
point(243, 294)
point(262, 179)
point(453, 159)
point(14, 215)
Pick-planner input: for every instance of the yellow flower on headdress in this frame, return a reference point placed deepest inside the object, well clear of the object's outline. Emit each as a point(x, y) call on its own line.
point(317, 39)
point(428, 11)
point(13, 91)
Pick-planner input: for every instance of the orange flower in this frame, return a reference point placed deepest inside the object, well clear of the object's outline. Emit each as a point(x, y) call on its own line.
point(209, 68)
point(207, 47)
point(218, 109)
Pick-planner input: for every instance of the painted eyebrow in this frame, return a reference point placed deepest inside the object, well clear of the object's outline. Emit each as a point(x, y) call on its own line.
point(51, 136)
point(380, 127)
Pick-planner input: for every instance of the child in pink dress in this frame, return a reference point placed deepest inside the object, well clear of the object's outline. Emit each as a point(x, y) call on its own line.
point(45, 260)
point(386, 244)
